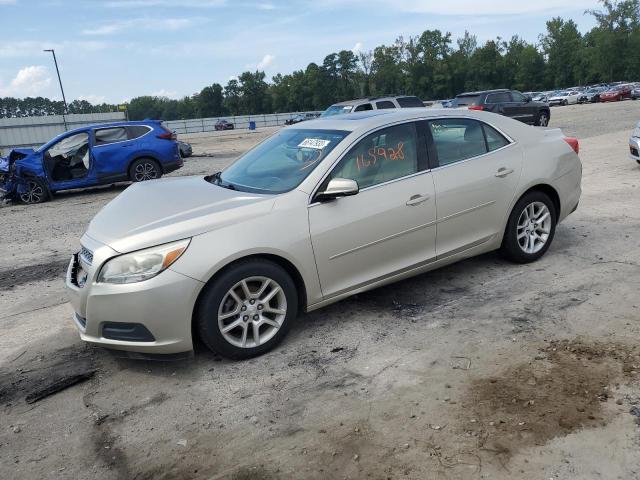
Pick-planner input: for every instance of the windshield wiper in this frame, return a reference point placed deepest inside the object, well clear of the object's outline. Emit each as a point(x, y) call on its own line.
point(217, 180)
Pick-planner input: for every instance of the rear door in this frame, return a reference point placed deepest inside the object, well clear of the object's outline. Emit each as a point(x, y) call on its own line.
point(389, 226)
point(478, 169)
point(111, 150)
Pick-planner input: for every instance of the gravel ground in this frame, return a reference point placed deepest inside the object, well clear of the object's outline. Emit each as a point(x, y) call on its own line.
point(482, 369)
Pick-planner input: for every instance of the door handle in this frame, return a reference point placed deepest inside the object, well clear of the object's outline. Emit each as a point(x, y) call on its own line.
point(503, 172)
point(417, 200)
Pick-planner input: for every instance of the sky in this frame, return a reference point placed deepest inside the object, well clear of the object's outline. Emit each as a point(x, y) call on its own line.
point(114, 50)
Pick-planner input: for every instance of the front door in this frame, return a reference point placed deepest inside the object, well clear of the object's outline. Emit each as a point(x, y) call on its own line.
point(389, 226)
point(475, 181)
point(68, 162)
point(112, 149)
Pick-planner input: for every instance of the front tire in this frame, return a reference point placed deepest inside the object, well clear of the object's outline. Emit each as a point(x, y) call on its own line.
point(530, 229)
point(247, 310)
point(36, 192)
point(542, 120)
point(144, 169)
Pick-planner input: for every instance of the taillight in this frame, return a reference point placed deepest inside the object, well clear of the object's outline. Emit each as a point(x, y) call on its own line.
point(573, 143)
point(476, 107)
point(168, 135)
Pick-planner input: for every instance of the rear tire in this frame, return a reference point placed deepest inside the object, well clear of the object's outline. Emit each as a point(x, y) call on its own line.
point(37, 192)
point(530, 229)
point(144, 169)
point(252, 299)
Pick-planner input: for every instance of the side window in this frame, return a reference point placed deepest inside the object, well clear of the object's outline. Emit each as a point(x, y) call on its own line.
point(382, 156)
point(409, 102)
point(105, 136)
point(501, 97)
point(384, 104)
point(363, 107)
point(136, 131)
point(518, 97)
point(495, 139)
point(457, 139)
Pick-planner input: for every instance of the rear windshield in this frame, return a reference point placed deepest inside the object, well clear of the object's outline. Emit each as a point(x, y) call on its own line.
point(410, 102)
point(466, 100)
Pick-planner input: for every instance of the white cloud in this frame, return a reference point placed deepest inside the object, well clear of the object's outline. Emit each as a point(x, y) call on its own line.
point(357, 47)
point(265, 62)
point(266, 6)
point(29, 81)
point(26, 48)
point(163, 24)
point(165, 93)
point(93, 99)
point(164, 3)
point(467, 7)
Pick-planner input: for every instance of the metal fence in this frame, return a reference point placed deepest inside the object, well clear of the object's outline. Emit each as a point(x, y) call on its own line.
point(197, 125)
point(31, 131)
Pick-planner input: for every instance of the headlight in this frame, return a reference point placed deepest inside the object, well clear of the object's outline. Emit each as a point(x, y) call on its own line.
point(143, 264)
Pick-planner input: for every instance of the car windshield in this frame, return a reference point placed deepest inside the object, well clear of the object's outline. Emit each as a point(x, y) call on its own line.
point(337, 110)
point(280, 163)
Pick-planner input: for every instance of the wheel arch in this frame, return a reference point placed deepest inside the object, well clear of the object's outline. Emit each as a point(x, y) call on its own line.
point(289, 267)
point(540, 187)
point(140, 156)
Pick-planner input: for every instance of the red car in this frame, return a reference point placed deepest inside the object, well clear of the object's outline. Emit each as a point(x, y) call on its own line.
point(617, 93)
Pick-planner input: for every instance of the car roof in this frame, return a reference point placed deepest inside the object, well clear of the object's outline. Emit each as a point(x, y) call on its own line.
point(372, 99)
point(480, 92)
point(113, 124)
point(371, 119)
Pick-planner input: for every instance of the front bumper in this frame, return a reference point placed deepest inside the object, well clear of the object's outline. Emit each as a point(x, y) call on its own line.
point(162, 306)
point(634, 148)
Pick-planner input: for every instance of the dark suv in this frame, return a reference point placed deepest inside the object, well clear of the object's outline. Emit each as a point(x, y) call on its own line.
point(509, 103)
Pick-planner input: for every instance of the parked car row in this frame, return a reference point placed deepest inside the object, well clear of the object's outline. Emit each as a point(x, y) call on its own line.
point(614, 92)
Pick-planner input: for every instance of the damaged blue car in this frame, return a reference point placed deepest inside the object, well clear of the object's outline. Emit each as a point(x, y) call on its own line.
point(90, 156)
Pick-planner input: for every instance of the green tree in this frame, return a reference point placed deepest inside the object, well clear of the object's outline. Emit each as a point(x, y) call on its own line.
point(564, 47)
point(210, 101)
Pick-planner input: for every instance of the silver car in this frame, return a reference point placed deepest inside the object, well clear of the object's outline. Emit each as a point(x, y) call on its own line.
point(318, 212)
point(634, 144)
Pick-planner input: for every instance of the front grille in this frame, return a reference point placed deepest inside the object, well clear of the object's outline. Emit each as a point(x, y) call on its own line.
point(86, 255)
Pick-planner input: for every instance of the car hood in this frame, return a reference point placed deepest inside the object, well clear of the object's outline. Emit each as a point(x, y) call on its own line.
point(160, 211)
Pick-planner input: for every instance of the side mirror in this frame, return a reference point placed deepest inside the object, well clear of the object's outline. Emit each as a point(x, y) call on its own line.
point(528, 99)
point(338, 187)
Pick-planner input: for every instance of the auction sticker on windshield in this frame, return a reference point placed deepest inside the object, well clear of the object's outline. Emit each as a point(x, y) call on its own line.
point(314, 143)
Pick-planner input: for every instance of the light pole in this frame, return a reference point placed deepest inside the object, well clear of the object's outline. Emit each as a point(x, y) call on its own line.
point(66, 110)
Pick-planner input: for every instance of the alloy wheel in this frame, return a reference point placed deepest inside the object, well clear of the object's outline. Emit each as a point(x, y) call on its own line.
point(544, 120)
point(145, 171)
point(252, 312)
point(34, 193)
point(534, 227)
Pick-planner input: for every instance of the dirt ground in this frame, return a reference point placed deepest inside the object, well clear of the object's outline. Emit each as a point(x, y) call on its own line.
point(483, 369)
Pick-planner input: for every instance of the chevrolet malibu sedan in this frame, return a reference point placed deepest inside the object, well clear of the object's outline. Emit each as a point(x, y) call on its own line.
point(318, 212)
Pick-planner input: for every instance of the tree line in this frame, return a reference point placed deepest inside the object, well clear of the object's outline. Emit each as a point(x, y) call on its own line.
point(431, 66)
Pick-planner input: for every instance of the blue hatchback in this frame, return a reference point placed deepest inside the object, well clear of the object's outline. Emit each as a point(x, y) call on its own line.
point(89, 156)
